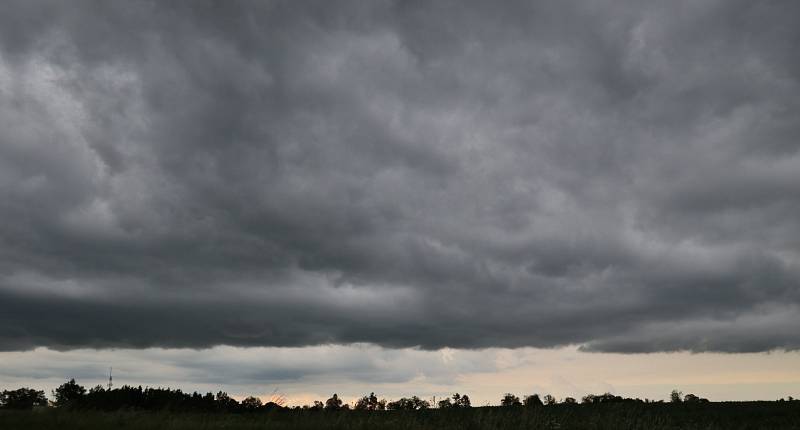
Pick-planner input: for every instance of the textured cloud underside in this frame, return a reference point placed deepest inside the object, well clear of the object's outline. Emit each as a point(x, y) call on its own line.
point(618, 176)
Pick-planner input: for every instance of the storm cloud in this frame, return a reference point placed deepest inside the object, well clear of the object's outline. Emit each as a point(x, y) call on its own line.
point(619, 176)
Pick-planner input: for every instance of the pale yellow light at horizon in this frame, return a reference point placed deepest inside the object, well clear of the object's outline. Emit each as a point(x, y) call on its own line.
point(569, 372)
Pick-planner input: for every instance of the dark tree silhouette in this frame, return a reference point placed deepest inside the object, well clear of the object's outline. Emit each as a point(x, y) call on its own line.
point(604, 398)
point(691, 398)
point(334, 403)
point(69, 393)
point(510, 400)
point(532, 400)
point(456, 401)
point(225, 402)
point(675, 396)
point(370, 403)
point(73, 395)
point(251, 403)
point(570, 400)
point(460, 401)
point(22, 398)
point(549, 400)
point(408, 404)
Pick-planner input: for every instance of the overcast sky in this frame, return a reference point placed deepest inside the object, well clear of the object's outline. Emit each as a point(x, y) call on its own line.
point(616, 177)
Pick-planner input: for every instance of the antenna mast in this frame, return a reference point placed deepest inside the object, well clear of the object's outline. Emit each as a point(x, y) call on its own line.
point(109, 378)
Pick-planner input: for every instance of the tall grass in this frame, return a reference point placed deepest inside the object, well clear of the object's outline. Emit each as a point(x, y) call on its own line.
point(710, 416)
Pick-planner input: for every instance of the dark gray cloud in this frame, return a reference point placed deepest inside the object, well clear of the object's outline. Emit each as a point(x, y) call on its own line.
point(619, 176)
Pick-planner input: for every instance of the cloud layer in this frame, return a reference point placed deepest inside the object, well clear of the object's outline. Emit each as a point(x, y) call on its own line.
point(621, 177)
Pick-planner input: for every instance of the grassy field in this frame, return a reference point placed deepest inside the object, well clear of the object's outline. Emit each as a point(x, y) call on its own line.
point(721, 416)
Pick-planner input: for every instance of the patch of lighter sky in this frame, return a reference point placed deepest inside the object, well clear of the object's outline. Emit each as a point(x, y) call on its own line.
point(303, 375)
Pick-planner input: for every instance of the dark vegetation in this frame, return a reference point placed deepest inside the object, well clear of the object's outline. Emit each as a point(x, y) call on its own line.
point(74, 407)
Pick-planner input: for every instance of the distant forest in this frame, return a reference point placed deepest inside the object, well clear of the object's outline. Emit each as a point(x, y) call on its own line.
point(73, 407)
point(72, 395)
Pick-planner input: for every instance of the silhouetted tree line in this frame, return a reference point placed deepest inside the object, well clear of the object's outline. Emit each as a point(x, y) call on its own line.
point(675, 397)
point(510, 400)
point(71, 395)
point(458, 401)
point(408, 404)
point(22, 398)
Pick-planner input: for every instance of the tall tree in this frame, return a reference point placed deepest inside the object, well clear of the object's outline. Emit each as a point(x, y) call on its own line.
point(334, 403)
point(510, 400)
point(69, 393)
point(370, 403)
point(251, 403)
point(532, 400)
point(461, 401)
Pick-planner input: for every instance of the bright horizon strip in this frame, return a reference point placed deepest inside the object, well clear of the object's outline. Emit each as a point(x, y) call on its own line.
point(484, 375)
